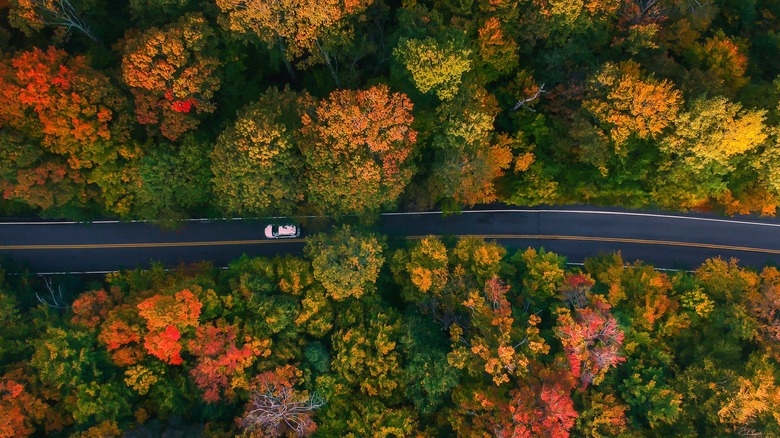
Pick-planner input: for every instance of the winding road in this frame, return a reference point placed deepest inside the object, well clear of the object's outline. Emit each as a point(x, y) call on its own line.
point(664, 240)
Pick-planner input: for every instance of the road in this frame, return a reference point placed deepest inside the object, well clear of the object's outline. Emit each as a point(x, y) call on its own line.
point(664, 240)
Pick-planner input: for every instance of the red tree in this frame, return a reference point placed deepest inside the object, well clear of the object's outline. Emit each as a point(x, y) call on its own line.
point(18, 409)
point(591, 339)
point(541, 406)
point(220, 362)
point(91, 308)
point(59, 98)
point(164, 345)
point(166, 317)
point(58, 118)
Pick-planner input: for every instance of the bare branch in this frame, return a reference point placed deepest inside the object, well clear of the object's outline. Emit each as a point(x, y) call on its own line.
point(276, 408)
point(61, 13)
point(524, 102)
point(56, 299)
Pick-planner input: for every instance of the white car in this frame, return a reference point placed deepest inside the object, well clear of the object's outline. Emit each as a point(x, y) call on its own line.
point(282, 231)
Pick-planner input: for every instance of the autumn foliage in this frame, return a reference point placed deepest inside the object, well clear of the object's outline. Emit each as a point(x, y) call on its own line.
point(163, 110)
point(172, 75)
point(543, 407)
point(276, 408)
point(298, 27)
point(59, 119)
point(592, 339)
point(221, 364)
point(463, 338)
point(21, 411)
point(630, 104)
point(358, 146)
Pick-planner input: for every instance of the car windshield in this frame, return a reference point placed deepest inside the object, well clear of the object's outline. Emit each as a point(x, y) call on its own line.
point(286, 229)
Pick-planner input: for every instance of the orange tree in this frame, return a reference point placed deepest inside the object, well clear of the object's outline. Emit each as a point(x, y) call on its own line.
point(628, 103)
point(358, 146)
point(172, 74)
point(61, 120)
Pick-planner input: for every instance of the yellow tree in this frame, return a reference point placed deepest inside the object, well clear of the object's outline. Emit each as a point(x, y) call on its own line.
point(434, 66)
point(753, 404)
point(298, 27)
point(546, 18)
point(366, 355)
point(715, 130)
point(626, 102)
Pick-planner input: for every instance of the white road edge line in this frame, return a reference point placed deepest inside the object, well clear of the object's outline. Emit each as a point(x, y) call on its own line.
point(223, 268)
point(415, 213)
point(226, 267)
point(614, 213)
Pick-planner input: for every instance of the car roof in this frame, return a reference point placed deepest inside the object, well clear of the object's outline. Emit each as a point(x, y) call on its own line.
point(287, 229)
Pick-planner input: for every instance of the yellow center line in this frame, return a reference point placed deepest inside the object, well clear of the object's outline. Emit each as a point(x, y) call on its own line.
point(483, 236)
point(145, 244)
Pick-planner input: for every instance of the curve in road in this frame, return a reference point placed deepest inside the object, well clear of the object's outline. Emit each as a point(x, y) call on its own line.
point(665, 240)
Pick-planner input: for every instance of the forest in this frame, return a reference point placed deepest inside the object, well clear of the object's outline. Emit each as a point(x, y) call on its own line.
point(168, 109)
point(362, 336)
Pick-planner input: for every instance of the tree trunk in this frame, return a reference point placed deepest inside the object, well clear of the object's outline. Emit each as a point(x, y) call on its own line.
point(328, 63)
point(287, 64)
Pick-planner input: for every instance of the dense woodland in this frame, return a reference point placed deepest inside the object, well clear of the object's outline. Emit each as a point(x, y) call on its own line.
point(364, 337)
point(167, 109)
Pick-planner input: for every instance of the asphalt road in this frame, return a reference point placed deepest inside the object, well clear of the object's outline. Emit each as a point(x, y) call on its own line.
point(664, 240)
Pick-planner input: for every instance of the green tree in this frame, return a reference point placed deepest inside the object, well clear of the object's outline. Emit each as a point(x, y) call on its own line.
point(429, 378)
point(257, 163)
point(347, 263)
point(173, 181)
point(541, 272)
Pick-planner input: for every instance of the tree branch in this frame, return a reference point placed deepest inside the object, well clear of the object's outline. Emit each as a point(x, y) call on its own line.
point(524, 102)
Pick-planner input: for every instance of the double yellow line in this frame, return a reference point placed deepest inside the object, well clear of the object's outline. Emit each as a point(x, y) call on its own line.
point(484, 236)
point(144, 245)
